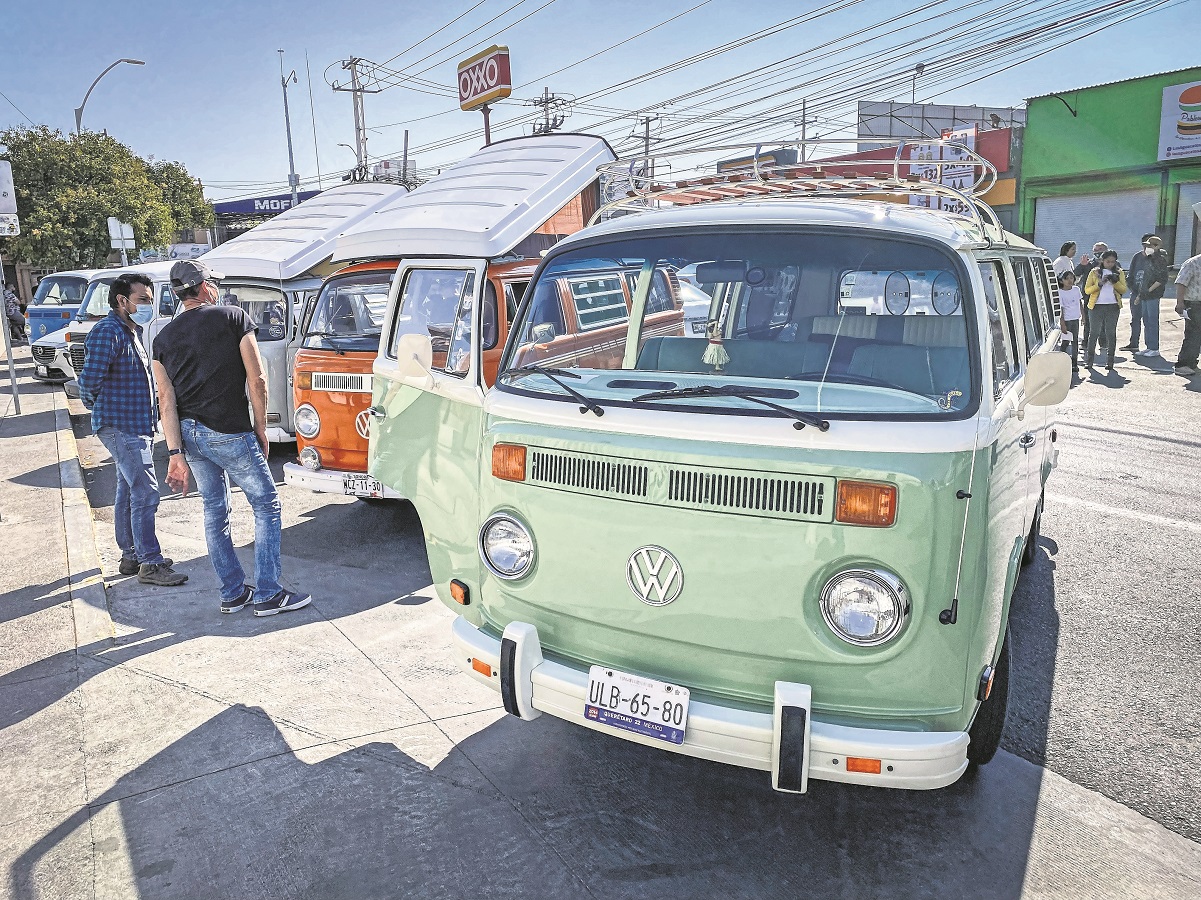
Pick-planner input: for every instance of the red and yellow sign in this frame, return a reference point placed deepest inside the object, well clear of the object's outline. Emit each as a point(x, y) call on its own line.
point(484, 78)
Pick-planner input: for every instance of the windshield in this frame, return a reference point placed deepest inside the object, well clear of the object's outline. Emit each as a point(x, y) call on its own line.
point(266, 306)
point(60, 290)
point(838, 322)
point(349, 308)
point(95, 303)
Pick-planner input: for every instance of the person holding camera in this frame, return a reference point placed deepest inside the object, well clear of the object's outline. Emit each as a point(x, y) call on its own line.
point(1148, 277)
point(1104, 288)
point(1088, 262)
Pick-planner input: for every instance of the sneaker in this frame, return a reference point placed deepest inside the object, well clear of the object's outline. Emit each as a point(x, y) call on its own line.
point(1185, 370)
point(130, 566)
point(1150, 353)
point(160, 574)
point(1129, 347)
point(284, 601)
point(239, 602)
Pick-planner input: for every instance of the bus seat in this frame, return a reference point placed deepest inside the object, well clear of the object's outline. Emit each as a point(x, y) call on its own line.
point(906, 367)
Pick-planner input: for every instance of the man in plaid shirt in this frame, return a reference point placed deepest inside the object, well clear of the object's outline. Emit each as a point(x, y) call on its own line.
point(115, 386)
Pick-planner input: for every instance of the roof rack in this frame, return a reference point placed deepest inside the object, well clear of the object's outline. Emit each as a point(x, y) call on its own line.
point(959, 174)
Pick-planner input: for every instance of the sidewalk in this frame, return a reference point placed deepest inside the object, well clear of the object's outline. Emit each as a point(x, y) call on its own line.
point(338, 751)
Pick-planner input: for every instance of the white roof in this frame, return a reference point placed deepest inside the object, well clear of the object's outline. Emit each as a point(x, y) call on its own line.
point(946, 227)
point(483, 206)
point(73, 273)
point(155, 271)
point(296, 240)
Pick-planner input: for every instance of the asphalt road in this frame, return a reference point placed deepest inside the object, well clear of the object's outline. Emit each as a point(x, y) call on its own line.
point(1104, 624)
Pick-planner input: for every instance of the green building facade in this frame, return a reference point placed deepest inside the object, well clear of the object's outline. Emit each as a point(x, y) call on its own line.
point(1107, 163)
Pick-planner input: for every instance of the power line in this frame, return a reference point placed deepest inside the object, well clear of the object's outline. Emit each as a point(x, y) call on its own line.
point(18, 109)
point(433, 33)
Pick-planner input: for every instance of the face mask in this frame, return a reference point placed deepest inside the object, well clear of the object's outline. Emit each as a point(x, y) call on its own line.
point(1150, 251)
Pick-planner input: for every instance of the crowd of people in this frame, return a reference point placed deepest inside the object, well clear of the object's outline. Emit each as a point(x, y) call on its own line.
point(1091, 291)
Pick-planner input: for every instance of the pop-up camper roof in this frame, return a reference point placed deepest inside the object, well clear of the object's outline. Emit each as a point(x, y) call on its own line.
point(299, 238)
point(483, 206)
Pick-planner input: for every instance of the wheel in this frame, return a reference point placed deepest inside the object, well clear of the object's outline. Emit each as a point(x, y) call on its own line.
point(1030, 549)
point(986, 730)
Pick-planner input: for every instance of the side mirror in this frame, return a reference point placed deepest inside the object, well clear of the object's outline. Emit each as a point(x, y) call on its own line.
point(414, 355)
point(544, 333)
point(1048, 379)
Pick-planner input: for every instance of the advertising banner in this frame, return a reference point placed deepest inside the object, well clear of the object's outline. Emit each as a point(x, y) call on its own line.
point(947, 165)
point(484, 78)
point(1180, 122)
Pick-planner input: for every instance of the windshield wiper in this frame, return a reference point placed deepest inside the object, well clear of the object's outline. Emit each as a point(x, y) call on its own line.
point(754, 395)
point(586, 405)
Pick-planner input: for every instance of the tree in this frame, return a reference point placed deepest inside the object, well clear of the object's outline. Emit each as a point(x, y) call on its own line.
point(67, 187)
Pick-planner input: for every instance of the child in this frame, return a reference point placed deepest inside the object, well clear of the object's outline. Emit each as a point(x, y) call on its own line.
point(1070, 299)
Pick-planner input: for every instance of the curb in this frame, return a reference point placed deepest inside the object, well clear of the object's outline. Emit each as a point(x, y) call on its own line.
point(89, 600)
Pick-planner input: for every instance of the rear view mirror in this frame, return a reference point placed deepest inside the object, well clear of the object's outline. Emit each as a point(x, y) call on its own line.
point(1048, 378)
point(729, 271)
point(544, 333)
point(414, 355)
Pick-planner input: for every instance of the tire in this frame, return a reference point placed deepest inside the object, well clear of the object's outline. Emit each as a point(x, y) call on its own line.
point(1030, 548)
point(986, 730)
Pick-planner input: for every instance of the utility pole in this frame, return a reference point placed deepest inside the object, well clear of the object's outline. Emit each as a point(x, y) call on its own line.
point(646, 144)
point(549, 123)
point(356, 91)
point(404, 161)
point(804, 126)
point(917, 70)
point(293, 181)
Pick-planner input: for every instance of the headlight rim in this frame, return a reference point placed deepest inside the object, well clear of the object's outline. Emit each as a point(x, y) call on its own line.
point(508, 516)
point(296, 418)
point(890, 581)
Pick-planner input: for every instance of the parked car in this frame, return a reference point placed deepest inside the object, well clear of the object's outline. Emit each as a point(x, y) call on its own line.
point(275, 269)
point(506, 203)
point(56, 301)
point(787, 540)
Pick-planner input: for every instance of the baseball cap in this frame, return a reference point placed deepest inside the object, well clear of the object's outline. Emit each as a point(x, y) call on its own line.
point(1153, 240)
point(188, 273)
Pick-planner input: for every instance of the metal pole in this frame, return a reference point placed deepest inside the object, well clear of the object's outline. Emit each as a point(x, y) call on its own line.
point(79, 109)
point(283, 80)
point(487, 125)
point(804, 124)
point(360, 126)
point(404, 160)
point(546, 110)
point(8, 351)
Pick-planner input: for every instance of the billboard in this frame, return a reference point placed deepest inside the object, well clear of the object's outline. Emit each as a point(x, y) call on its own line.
point(948, 165)
point(484, 78)
point(1180, 122)
point(260, 206)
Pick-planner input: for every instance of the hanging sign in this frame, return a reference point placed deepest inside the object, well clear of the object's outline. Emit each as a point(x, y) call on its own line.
point(1180, 122)
point(484, 78)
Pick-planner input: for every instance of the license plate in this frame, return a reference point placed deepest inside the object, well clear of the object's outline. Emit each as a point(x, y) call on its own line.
point(633, 703)
point(41, 370)
point(362, 486)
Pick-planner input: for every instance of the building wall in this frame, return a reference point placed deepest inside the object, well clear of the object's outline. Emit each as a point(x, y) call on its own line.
point(1110, 144)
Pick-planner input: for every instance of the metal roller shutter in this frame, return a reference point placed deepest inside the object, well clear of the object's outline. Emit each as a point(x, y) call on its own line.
point(1119, 218)
point(1188, 226)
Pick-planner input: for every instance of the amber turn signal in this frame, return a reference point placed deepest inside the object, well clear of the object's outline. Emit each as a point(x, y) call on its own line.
point(866, 503)
point(459, 592)
point(304, 381)
point(866, 766)
point(508, 462)
point(482, 667)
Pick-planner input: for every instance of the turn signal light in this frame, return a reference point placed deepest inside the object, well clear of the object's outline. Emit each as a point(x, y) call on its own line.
point(866, 766)
point(866, 503)
point(304, 381)
point(459, 592)
point(482, 667)
point(508, 462)
point(66, 315)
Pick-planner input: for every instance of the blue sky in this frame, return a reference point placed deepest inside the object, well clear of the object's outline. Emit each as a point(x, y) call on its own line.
point(209, 94)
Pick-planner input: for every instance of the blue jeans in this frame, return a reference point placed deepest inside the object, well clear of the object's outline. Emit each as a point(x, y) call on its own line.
point(1147, 312)
point(137, 494)
point(215, 458)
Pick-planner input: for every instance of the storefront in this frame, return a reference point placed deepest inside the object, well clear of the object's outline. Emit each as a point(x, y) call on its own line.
point(1113, 162)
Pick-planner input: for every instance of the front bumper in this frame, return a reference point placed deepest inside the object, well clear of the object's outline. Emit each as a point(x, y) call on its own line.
point(912, 760)
point(325, 481)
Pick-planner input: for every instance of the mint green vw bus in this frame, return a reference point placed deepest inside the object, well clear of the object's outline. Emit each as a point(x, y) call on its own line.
point(755, 482)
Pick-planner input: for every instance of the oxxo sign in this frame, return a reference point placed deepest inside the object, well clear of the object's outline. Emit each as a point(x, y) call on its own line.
point(484, 78)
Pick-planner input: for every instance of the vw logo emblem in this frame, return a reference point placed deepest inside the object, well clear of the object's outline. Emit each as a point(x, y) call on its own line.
point(654, 575)
point(361, 424)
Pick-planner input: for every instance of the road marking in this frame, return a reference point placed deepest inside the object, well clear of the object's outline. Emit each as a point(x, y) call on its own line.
point(1124, 513)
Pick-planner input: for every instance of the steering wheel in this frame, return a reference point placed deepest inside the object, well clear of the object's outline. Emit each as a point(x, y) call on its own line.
point(843, 377)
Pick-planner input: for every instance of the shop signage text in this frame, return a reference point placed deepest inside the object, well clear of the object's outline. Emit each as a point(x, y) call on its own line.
point(484, 78)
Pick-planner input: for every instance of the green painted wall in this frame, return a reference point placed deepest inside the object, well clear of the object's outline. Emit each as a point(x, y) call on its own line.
point(1111, 144)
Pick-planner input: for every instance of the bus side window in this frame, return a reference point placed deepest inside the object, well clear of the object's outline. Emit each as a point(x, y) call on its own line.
point(514, 291)
point(1027, 307)
point(489, 332)
point(1001, 341)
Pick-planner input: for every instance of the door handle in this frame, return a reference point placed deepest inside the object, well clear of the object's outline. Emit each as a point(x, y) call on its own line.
point(376, 412)
point(1026, 441)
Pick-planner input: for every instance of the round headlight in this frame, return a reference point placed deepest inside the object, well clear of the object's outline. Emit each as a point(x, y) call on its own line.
point(865, 607)
point(310, 459)
point(506, 547)
point(307, 422)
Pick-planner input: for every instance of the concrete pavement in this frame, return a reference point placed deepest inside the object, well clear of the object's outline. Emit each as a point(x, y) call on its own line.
point(338, 752)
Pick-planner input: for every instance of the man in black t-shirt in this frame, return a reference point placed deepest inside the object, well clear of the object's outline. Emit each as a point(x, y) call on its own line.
point(205, 362)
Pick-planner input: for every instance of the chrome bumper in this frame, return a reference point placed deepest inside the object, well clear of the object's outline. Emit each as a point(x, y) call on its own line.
point(325, 481)
point(912, 760)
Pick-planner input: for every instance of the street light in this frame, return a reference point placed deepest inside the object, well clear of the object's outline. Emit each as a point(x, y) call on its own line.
point(79, 109)
point(917, 70)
